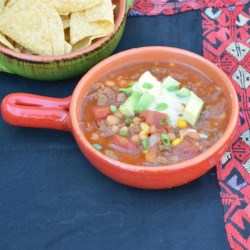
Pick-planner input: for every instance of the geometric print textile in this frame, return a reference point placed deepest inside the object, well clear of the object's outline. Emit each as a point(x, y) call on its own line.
point(226, 43)
point(171, 7)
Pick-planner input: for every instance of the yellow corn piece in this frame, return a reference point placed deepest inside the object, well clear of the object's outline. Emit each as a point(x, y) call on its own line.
point(176, 142)
point(181, 123)
point(144, 127)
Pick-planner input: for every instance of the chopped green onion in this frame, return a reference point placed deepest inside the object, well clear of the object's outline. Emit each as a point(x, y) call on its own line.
point(132, 84)
point(145, 144)
point(147, 85)
point(128, 121)
point(165, 140)
point(161, 106)
point(97, 146)
point(172, 88)
point(213, 133)
point(127, 91)
point(113, 108)
point(123, 132)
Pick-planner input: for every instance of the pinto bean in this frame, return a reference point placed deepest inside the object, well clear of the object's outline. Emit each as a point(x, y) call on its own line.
point(222, 116)
point(110, 83)
point(194, 135)
point(123, 82)
point(115, 128)
point(136, 120)
point(142, 136)
point(152, 129)
point(118, 114)
point(171, 136)
point(135, 138)
point(112, 120)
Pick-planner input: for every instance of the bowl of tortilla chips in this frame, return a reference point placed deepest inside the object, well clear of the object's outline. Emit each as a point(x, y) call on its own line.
point(58, 39)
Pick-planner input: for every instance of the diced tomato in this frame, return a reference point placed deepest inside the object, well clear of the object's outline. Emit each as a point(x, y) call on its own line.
point(151, 155)
point(100, 113)
point(155, 118)
point(123, 144)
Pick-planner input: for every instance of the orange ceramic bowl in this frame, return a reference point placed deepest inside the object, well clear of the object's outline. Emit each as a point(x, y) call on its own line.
point(65, 114)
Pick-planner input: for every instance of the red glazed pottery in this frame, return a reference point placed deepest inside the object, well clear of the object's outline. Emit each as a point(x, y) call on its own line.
point(64, 114)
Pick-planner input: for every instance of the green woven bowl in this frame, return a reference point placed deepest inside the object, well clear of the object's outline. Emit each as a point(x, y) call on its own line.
point(66, 66)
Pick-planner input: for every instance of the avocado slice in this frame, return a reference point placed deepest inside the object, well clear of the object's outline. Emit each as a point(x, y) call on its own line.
point(127, 108)
point(144, 102)
point(170, 84)
point(183, 92)
point(193, 109)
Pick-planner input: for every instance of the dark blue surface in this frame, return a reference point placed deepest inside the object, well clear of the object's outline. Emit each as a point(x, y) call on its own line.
point(52, 198)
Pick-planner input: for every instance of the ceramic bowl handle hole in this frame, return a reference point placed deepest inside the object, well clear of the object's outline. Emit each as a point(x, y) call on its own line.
point(36, 111)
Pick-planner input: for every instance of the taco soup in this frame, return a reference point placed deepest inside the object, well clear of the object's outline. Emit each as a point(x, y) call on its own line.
point(154, 113)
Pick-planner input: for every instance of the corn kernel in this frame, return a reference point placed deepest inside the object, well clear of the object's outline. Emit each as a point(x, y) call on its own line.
point(181, 123)
point(142, 135)
point(145, 127)
point(176, 142)
point(183, 107)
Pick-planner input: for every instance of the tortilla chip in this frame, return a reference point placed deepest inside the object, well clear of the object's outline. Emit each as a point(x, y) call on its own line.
point(18, 47)
point(67, 48)
point(2, 5)
point(65, 21)
point(35, 26)
point(26, 51)
point(10, 2)
point(67, 6)
point(92, 23)
point(53, 27)
point(6, 43)
point(81, 44)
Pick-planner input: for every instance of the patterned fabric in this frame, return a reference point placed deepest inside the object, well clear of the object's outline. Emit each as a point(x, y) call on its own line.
point(171, 7)
point(226, 42)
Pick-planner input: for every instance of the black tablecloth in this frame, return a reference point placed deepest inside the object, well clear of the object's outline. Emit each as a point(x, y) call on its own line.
point(52, 198)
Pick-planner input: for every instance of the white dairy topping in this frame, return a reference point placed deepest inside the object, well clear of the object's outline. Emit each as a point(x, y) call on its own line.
point(161, 95)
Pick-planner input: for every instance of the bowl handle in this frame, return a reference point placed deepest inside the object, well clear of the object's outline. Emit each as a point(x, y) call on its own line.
point(36, 111)
point(129, 5)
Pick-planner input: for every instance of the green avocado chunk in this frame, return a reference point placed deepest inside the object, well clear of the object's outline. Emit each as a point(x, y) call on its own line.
point(193, 109)
point(128, 107)
point(170, 84)
point(144, 102)
point(183, 92)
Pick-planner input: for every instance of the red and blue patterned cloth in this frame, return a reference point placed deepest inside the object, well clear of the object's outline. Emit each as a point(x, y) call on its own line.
point(226, 42)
